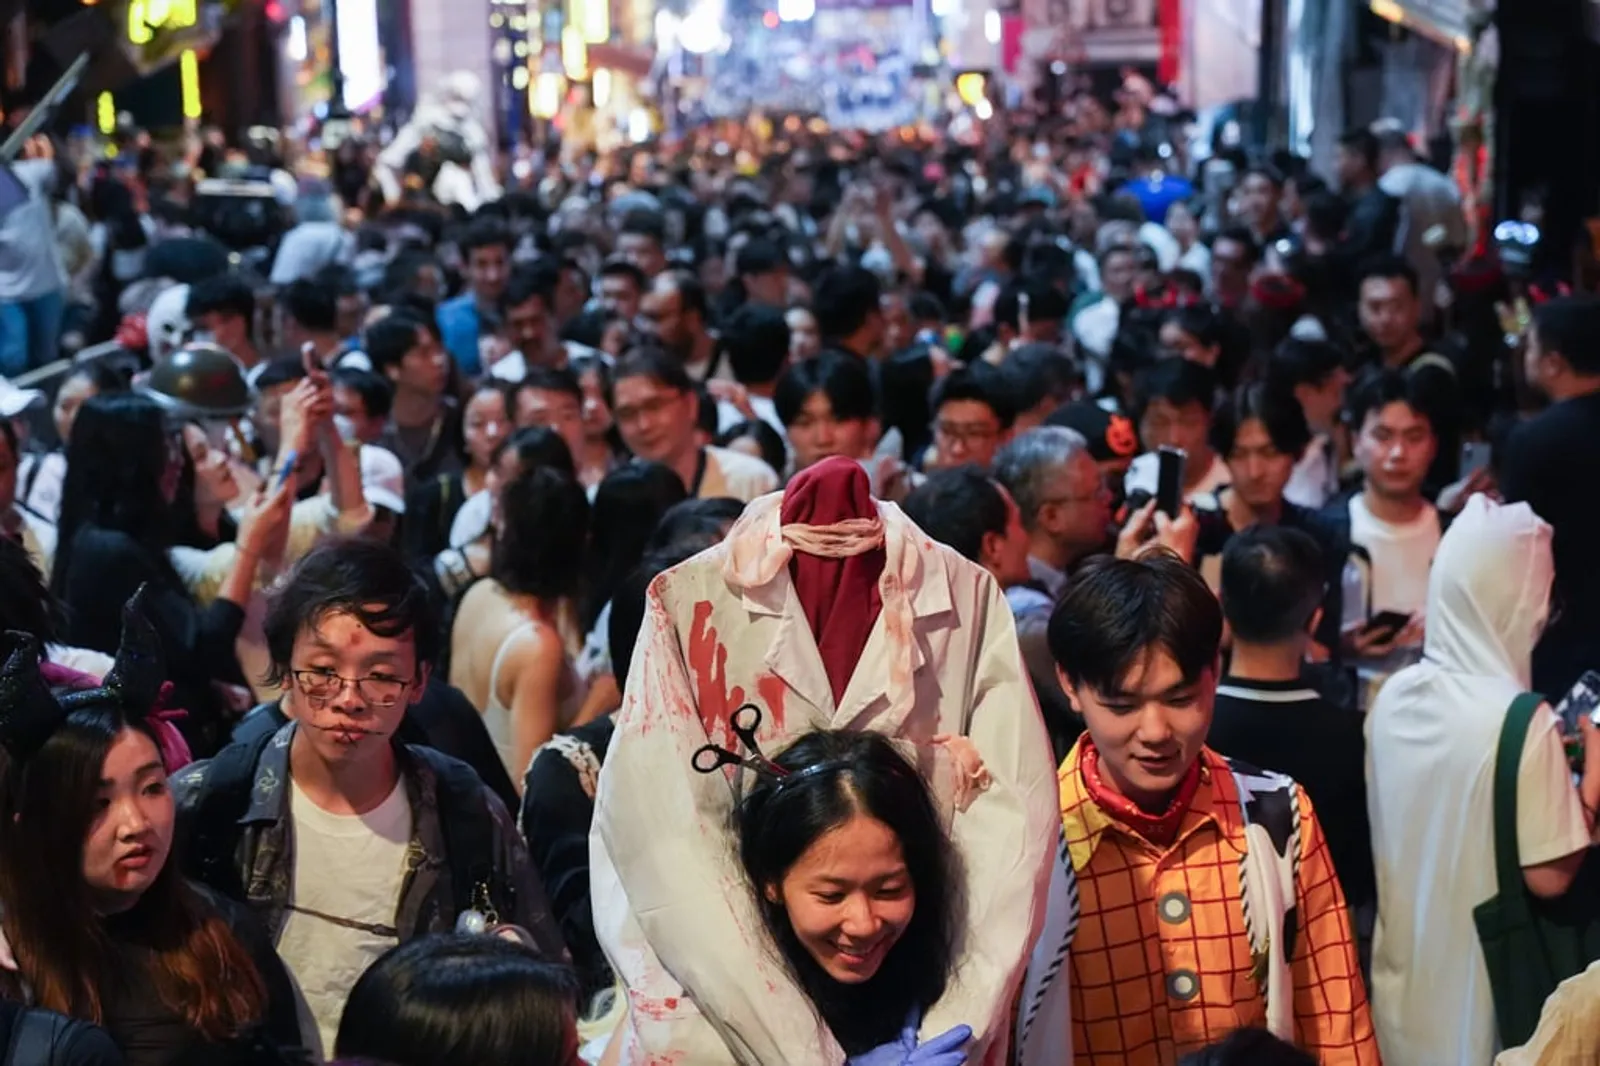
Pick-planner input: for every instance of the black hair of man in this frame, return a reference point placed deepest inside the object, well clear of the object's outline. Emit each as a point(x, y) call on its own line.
point(535, 280)
point(549, 379)
point(654, 364)
point(959, 508)
point(1241, 236)
point(1298, 362)
point(1118, 611)
point(1273, 175)
point(1045, 303)
point(756, 338)
point(980, 383)
point(926, 307)
point(1279, 413)
point(844, 299)
point(617, 267)
point(485, 233)
point(1569, 326)
point(314, 307)
point(1362, 143)
point(645, 223)
point(1388, 268)
point(280, 371)
point(1177, 381)
point(759, 256)
point(227, 294)
point(387, 340)
point(1039, 372)
point(377, 395)
point(1377, 388)
point(1273, 581)
point(359, 577)
point(1326, 214)
point(845, 380)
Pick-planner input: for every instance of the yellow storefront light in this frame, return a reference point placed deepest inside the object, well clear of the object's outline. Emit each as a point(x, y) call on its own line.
point(189, 78)
point(971, 87)
point(574, 54)
point(106, 113)
point(544, 95)
point(602, 87)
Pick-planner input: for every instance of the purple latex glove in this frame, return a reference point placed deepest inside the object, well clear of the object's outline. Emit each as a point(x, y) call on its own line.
point(948, 1049)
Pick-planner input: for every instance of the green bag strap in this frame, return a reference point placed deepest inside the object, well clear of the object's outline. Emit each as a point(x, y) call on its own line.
point(1507, 766)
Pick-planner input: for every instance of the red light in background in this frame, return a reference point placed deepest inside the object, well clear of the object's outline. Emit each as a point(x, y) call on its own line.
point(274, 11)
point(770, 20)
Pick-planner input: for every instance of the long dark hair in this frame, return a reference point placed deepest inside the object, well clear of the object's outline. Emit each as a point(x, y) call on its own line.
point(544, 532)
point(465, 1000)
point(780, 819)
point(628, 506)
point(116, 462)
point(47, 805)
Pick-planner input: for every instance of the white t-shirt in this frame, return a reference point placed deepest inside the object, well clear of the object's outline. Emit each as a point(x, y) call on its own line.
point(1402, 557)
point(349, 868)
point(731, 473)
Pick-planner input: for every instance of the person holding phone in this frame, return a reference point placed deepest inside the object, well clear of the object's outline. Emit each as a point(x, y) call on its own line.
point(1392, 529)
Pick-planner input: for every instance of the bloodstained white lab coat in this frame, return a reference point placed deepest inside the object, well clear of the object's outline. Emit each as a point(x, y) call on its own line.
point(672, 907)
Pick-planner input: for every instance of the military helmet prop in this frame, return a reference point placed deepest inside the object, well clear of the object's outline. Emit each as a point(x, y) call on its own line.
point(200, 381)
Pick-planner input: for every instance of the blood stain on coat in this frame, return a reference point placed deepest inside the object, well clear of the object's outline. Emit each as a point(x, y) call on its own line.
point(772, 688)
point(708, 659)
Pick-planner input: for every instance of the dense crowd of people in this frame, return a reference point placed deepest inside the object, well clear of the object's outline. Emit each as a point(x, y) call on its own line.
point(346, 712)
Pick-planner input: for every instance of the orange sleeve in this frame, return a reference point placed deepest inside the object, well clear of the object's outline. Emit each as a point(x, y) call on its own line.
point(1332, 1020)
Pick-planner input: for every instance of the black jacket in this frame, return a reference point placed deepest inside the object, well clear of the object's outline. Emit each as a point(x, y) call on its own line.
point(35, 1037)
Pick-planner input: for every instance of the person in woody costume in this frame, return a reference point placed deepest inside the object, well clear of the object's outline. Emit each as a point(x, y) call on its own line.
point(1204, 898)
point(828, 610)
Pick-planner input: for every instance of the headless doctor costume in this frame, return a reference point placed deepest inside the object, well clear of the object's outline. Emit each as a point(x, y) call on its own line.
point(830, 611)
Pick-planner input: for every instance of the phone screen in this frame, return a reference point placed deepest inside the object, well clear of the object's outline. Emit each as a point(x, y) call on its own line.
point(1475, 455)
point(1582, 699)
point(1169, 481)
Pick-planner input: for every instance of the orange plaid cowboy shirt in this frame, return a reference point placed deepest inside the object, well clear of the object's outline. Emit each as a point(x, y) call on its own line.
point(1161, 962)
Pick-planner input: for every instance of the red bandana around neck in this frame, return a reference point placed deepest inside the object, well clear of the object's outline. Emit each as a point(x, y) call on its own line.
point(1157, 828)
point(839, 596)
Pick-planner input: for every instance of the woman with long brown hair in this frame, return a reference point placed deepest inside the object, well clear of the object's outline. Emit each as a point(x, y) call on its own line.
point(99, 923)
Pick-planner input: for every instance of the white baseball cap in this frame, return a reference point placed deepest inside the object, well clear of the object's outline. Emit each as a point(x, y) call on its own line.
point(383, 478)
point(14, 401)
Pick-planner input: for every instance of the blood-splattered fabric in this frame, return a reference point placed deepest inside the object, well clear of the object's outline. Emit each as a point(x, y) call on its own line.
point(1162, 961)
point(672, 910)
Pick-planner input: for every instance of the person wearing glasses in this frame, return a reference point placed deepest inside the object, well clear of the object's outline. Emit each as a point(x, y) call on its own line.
point(344, 840)
point(973, 412)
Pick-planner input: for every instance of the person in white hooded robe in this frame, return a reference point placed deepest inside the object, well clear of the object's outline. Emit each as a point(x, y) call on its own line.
point(1432, 737)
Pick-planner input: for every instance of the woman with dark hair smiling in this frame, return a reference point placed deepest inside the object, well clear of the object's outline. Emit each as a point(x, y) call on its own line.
point(854, 879)
point(100, 925)
point(462, 1000)
point(512, 632)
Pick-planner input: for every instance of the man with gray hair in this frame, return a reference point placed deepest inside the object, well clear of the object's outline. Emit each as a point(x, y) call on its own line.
point(1065, 505)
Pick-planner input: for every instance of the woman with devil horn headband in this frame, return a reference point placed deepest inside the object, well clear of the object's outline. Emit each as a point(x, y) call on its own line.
point(97, 923)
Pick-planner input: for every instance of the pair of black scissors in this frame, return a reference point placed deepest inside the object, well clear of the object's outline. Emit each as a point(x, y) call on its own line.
point(745, 721)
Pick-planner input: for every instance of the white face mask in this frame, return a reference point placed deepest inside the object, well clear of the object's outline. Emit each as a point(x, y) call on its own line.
point(346, 428)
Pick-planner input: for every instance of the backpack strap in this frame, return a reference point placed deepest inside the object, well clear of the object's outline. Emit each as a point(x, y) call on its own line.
point(224, 797)
point(34, 1036)
point(469, 839)
point(1507, 767)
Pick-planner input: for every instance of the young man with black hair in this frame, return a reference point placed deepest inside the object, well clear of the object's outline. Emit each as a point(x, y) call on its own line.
point(622, 287)
point(755, 339)
point(528, 328)
point(1273, 584)
point(345, 841)
point(1207, 900)
point(847, 303)
point(1235, 254)
point(1313, 372)
point(362, 401)
point(1260, 195)
point(225, 307)
point(1044, 376)
point(1553, 465)
point(1392, 529)
point(642, 241)
point(763, 269)
point(657, 410)
point(1172, 407)
point(973, 413)
point(551, 399)
point(424, 423)
point(1095, 324)
point(310, 315)
point(475, 314)
point(969, 511)
point(828, 406)
point(676, 313)
point(1374, 214)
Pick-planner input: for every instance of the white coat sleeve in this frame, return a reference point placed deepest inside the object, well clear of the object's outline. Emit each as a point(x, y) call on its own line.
point(1006, 839)
point(668, 832)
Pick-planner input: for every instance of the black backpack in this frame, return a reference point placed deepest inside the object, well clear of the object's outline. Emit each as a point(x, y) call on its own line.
point(463, 813)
